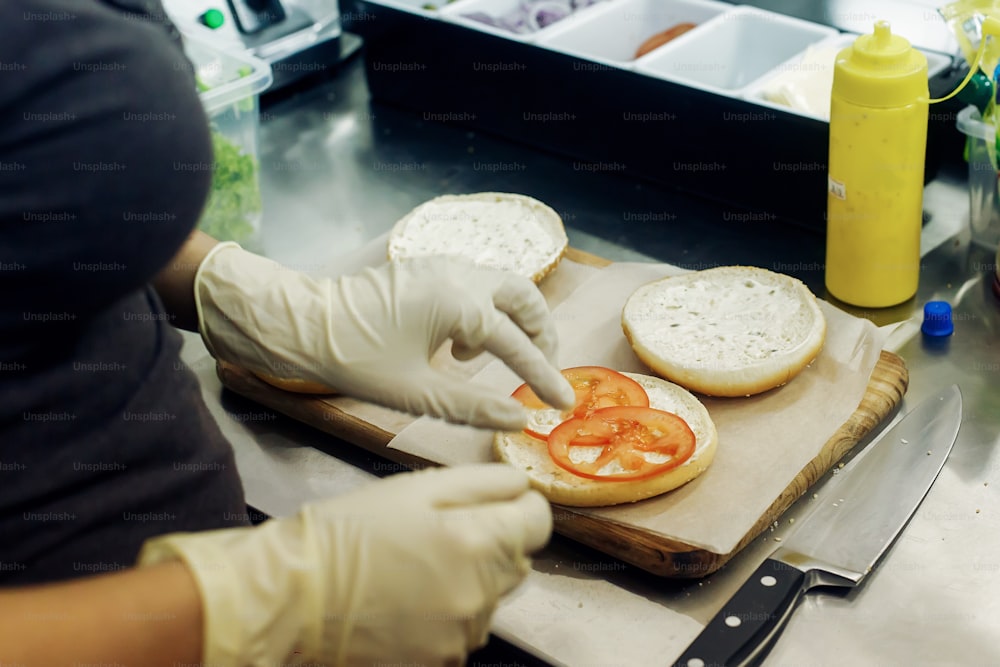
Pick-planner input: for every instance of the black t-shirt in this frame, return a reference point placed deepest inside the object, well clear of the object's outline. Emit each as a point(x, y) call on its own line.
point(104, 438)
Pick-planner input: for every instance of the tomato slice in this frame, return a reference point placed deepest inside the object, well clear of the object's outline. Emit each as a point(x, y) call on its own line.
point(596, 387)
point(622, 443)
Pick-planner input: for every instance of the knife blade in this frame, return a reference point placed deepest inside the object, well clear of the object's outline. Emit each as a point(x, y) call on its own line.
point(840, 540)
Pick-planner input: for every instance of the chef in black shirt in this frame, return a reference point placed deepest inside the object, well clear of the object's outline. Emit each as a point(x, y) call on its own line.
point(110, 462)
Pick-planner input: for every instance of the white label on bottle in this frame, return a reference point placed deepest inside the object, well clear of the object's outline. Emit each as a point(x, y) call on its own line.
point(837, 189)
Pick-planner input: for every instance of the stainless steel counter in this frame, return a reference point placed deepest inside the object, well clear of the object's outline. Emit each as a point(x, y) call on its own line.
point(338, 171)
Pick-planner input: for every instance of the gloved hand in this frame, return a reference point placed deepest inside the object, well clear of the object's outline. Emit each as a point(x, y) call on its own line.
point(371, 335)
point(405, 570)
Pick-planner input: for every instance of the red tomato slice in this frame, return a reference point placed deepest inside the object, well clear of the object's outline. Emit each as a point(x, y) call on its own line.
point(596, 387)
point(644, 442)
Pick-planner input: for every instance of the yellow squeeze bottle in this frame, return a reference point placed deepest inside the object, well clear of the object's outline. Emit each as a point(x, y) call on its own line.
point(878, 137)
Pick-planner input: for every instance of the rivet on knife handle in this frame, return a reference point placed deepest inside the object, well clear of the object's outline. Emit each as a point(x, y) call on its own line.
point(745, 626)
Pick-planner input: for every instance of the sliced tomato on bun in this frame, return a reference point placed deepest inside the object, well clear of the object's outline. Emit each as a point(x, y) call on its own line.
point(622, 443)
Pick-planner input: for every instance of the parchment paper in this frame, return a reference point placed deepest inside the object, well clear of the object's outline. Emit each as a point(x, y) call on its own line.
point(764, 441)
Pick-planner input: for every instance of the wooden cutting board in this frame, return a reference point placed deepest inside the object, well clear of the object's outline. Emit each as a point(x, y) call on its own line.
point(648, 551)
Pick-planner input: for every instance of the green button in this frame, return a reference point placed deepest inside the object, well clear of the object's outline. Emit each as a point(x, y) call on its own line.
point(213, 18)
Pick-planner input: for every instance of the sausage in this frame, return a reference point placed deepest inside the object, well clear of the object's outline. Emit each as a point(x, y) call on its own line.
point(661, 38)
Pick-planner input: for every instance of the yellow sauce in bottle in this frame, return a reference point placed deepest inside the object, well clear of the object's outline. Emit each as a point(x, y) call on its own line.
point(878, 137)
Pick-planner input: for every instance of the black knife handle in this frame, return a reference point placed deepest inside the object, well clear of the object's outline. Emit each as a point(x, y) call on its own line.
point(749, 621)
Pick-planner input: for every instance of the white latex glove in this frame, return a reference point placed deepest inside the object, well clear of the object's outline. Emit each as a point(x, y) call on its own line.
point(403, 571)
point(371, 335)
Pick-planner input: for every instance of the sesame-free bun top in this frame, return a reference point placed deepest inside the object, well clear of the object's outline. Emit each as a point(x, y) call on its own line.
point(564, 488)
point(727, 331)
point(500, 230)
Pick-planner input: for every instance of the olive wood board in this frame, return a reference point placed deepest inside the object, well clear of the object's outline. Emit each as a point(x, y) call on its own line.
point(646, 550)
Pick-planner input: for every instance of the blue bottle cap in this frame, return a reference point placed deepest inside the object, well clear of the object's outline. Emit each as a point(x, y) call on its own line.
point(937, 319)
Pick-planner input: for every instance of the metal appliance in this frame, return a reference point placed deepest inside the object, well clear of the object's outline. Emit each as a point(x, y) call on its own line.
point(297, 38)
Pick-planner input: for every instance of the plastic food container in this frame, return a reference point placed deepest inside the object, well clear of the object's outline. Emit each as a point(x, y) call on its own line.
point(613, 33)
point(733, 50)
point(984, 203)
point(464, 12)
point(230, 85)
point(808, 78)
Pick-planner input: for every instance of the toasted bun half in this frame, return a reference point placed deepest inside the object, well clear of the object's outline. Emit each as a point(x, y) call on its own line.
point(509, 232)
point(564, 488)
point(728, 331)
point(295, 386)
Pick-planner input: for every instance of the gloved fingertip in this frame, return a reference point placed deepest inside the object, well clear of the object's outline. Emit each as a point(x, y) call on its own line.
point(507, 415)
point(463, 353)
point(560, 394)
point(567, 397)
point(538, 520)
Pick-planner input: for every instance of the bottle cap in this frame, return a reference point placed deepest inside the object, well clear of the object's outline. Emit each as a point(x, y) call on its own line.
point(937, 319)
point(881, 70)
point(979, 92)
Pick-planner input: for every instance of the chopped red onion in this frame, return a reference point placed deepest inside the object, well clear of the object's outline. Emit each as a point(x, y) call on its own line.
point(532, 15)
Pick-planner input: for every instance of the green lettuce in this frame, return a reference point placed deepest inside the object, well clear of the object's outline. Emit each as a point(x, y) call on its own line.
point(234, 200)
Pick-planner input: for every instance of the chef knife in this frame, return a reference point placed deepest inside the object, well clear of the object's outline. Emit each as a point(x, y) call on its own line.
point(837, 544)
